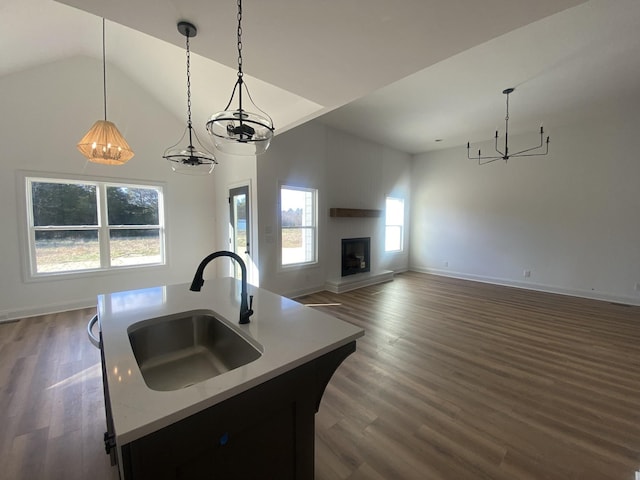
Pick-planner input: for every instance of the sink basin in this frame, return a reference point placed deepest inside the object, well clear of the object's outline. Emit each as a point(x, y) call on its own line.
point(177, 351)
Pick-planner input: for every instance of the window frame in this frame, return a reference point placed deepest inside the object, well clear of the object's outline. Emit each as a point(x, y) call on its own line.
point(313, 228)
point(388, 225)
point(103, 228)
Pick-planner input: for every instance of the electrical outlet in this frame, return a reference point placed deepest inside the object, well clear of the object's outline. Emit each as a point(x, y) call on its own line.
point(638, 287)
point(526, 273)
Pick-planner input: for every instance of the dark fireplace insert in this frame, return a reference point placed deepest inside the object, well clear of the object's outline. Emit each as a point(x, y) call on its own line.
point(355, 255)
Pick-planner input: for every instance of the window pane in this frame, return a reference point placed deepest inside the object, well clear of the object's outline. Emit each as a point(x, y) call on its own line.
point(132, 206)
point(393, 238)
point(63, 204)
point(124, 220)
point(297, 245)
point(394, 223)
point(64, 251)
point(297, 208)
point(395, 211)
point(240, 215)
point(135, 247)
point(298, 222)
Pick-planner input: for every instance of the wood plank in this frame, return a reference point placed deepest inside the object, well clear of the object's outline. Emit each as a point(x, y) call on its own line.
point(472, 380)
point(453, 379)
point(354, 213)
point(52, 415)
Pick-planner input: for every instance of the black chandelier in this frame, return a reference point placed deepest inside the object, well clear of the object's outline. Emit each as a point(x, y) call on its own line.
point(189, 160)
point(505, 155)
point(238, 131)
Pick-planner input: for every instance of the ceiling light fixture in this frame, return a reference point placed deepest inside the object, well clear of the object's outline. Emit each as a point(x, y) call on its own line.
point(103, 143)
point(240, 132)
point(506, 155)
point(189, 160)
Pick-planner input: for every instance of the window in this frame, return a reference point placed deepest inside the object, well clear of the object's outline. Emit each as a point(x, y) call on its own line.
point(86, 225)
point(394, 224)
point(298, 222)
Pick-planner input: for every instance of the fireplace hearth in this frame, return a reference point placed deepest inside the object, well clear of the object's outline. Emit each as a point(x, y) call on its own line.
point(356, 257)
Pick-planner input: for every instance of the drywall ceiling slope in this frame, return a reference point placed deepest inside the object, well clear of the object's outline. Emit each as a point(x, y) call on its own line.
point(35, 32)
point(582, 62)
point(334, 51)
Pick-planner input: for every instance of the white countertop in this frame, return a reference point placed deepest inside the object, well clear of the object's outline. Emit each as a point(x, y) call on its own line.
point(288, 334)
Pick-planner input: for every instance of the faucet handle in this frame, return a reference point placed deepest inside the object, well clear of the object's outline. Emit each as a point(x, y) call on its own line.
point(246, 314)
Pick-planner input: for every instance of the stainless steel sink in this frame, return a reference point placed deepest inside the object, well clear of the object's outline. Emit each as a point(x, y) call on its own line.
point(177, 351)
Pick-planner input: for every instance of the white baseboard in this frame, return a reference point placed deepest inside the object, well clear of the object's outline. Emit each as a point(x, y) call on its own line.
point(353, 282)
point(17, 314)
point(348, 284)
point(607, 297)
point(293, 294)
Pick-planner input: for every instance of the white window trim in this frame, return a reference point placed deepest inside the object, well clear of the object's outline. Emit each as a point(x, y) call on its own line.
point(298, 265)
point(27, 235)
point(402, 227)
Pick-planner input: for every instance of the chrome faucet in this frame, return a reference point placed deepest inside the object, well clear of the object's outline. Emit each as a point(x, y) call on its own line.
point(198, 281)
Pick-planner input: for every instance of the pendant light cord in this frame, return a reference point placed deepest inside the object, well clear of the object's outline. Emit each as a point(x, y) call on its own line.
point(506, 130)
point(189, 125)
point(188, 82)
point(239, 38)
point(104, 73)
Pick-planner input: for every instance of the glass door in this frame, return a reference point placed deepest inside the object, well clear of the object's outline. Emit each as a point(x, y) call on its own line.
point(240, 225)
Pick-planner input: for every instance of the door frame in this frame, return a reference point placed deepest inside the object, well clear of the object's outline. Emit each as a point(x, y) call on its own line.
point(251, 225)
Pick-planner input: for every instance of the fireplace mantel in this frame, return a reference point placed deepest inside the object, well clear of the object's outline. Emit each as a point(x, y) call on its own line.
point(354, 212)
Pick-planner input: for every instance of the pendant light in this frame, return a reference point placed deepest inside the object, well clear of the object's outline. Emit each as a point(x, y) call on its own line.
point(189, 160)
point(505, 155)
point(239, 132)
point(103, 143)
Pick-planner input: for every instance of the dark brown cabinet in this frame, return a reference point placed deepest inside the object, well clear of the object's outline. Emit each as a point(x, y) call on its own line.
point(266, 432)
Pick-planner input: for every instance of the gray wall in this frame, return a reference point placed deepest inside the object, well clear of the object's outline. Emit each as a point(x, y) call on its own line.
point(570, 218)
point(45, 111)
point(348, 173)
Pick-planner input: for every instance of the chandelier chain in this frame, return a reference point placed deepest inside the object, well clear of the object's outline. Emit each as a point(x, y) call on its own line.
point(239, 38)
point(188, 81)
point(507, 116)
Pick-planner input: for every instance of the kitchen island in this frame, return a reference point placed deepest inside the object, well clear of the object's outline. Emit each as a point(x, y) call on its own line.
point(256, 419)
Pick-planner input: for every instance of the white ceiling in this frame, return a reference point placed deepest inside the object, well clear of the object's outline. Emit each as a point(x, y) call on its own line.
point(400, 72)
point(572, 65)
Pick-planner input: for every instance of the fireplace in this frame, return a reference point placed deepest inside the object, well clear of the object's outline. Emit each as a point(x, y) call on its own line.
point(356, 256)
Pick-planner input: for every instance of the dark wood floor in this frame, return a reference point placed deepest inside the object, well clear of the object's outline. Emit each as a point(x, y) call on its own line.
point(51, 400)
point(453, 380)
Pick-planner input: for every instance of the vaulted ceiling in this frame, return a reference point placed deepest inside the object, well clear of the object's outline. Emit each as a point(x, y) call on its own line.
point(400, 72)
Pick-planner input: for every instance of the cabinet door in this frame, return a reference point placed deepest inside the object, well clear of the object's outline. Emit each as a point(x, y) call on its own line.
point(265, 450)
point(266, 432)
